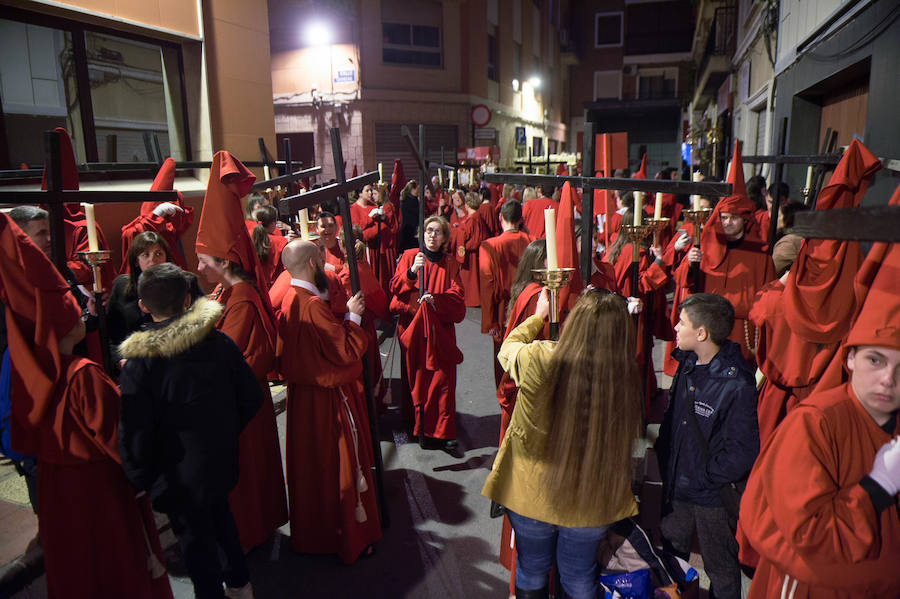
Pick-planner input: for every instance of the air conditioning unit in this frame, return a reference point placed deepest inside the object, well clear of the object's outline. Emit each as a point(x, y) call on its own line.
point(630, 70)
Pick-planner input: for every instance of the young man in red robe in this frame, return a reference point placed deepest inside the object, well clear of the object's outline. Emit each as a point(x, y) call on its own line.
point(803, 317)
point(170, 220)
point(428, 333)
point(733, 262)
point(533, 212)
point(330, 486)
point(377, 222)
point(65, 411)
point(497, 261)
point(819, 517)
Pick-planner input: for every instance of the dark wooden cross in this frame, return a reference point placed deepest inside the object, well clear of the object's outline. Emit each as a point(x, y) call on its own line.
point(289, 177)
point(339, 191)
point(589, 184)
point(55, 199)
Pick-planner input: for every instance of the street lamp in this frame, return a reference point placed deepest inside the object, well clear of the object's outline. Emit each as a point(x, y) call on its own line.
point(317, 33)
point(535, 81)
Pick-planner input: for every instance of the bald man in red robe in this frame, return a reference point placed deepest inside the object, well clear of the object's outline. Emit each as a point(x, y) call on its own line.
point(332, 495)
point(733, 261)
point(819, 517)
point(498, 258)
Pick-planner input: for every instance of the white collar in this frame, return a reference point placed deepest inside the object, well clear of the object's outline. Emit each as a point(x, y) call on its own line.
point(310, 287)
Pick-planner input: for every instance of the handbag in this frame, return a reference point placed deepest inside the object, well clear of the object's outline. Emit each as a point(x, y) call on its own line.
point(730, 494)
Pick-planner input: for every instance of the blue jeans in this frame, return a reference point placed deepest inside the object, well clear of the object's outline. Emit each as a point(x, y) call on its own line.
point(575, 551)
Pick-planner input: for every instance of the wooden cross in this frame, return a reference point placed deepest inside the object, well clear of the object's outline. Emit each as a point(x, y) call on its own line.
point(55, 199)
point(338, 191)
point(289, 176)
point(589, 184)
point(868, 223)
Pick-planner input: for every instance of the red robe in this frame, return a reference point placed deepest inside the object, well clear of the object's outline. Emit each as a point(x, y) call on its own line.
point(533, 215)
point(273, 267)
point(91, 526)
point(763, 220)
point(380, 235)
point(804, 514)
point(498, 258)
point(651, 320)
point(432, 381)
point(376, 308)
point(743, 271)
point(258, 501)
point(332, 494)
point(170, 228)
point(489, 220)
point(465, 240)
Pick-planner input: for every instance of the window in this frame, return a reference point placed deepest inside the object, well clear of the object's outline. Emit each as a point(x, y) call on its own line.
point(108, 90)
point(493, 60)
point(608, 84)
point(607, 29)
point(657, 83)
point(537, 146)
point(417, 45)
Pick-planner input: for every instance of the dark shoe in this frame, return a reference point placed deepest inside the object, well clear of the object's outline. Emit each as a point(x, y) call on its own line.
point(450, 444)
point(538, 594)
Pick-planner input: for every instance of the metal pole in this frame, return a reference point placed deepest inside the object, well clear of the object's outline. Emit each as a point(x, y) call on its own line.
point(355, 288)
point(776, 200)
point(587, 204)
point(423, 288)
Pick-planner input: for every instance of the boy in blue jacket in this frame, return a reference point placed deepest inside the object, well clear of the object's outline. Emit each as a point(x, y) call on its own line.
point(709, 439)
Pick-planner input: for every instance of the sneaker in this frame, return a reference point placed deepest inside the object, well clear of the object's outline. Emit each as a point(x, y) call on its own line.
point(244, 592)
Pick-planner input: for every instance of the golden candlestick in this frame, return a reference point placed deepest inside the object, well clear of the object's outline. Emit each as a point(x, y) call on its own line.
point(657, 225)
point(553, 279)
point(637, 233)
point(699, 218)
point(806, 192)
point(95, 260)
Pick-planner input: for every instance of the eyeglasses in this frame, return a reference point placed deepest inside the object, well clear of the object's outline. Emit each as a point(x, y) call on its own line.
point(433, 231)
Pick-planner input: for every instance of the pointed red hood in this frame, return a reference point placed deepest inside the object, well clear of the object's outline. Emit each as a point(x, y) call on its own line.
point(641, 172)
point(40, 310)
point(69, 173)
point(712, 239)
point(397, 183)
point(164, 181)
point(566, 243)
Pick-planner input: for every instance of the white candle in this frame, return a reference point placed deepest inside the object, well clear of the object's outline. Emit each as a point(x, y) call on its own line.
point(809, 173)
point(550, 233)
point(441, 177)
point(657, 209)
point(91, 227)
point(452, 174)
point(380, 173)
point(266, 172)
point(638, 208)
point(304, 224)
point(695, 199)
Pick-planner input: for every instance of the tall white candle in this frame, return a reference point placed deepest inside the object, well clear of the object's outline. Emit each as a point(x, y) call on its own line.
point(695, 199)
point(550, 233)
point(266, 172)
point(91, 227)
point(452, 174)
point(638, 208)
point(441, 176)
point(304, 224)
point(657, 209)
point(380, 173)
point(809, 174)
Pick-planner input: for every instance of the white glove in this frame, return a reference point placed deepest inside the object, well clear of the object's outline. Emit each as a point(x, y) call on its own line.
point(375, 212)
point(682, 242)
point(635, 305)
point(886, 469)
point(167, 209)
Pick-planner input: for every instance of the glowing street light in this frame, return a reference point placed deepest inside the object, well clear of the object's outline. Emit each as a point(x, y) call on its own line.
point(317, 33)
point(515, 85)
point(535, 81)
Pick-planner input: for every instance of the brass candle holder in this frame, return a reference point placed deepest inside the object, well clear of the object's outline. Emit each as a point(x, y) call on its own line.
point(553, 279)
point(95, 260)
point(637, 233)
point(657, 225)
point(698, 218)
point(806, 192)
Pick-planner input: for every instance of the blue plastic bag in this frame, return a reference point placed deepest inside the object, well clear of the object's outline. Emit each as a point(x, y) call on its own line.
point(631, 585)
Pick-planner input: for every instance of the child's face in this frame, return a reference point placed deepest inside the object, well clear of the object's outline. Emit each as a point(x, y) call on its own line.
point(687, 336)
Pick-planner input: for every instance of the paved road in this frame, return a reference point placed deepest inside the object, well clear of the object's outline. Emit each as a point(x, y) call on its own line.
point(441, 544)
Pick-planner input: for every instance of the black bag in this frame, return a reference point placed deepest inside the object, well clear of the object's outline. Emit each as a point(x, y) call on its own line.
point(497, 510)
point(730, 494)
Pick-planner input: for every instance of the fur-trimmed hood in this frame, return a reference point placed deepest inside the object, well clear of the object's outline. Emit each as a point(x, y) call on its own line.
point(178, 336)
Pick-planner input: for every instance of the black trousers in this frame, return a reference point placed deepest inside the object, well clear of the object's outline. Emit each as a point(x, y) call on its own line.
point(202, 531)
point(718, 547)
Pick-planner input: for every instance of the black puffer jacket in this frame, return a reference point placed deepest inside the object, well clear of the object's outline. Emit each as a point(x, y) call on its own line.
point(186, 395)
point(726, 413)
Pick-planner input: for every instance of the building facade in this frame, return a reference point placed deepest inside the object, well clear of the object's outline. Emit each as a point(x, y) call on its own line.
point(370, 67)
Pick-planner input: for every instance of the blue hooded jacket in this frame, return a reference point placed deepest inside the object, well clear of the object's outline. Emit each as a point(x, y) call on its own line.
point(725, 407)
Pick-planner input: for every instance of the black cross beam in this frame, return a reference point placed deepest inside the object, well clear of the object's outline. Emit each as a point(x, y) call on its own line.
point(338, 191)
point(869, 223)
point(419, 155)
point(288, 176)
point(55, 199)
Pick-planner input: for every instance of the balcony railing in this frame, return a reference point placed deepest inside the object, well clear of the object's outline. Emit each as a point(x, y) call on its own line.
point(722, 38)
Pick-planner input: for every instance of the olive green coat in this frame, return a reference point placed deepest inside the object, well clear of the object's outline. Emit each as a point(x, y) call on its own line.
point(517, 479)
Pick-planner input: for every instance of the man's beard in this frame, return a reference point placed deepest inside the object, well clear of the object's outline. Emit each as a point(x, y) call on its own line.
point(320, 280)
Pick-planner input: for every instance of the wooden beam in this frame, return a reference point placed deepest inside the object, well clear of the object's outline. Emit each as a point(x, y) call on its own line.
point(621, 184)
point(870, 223)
